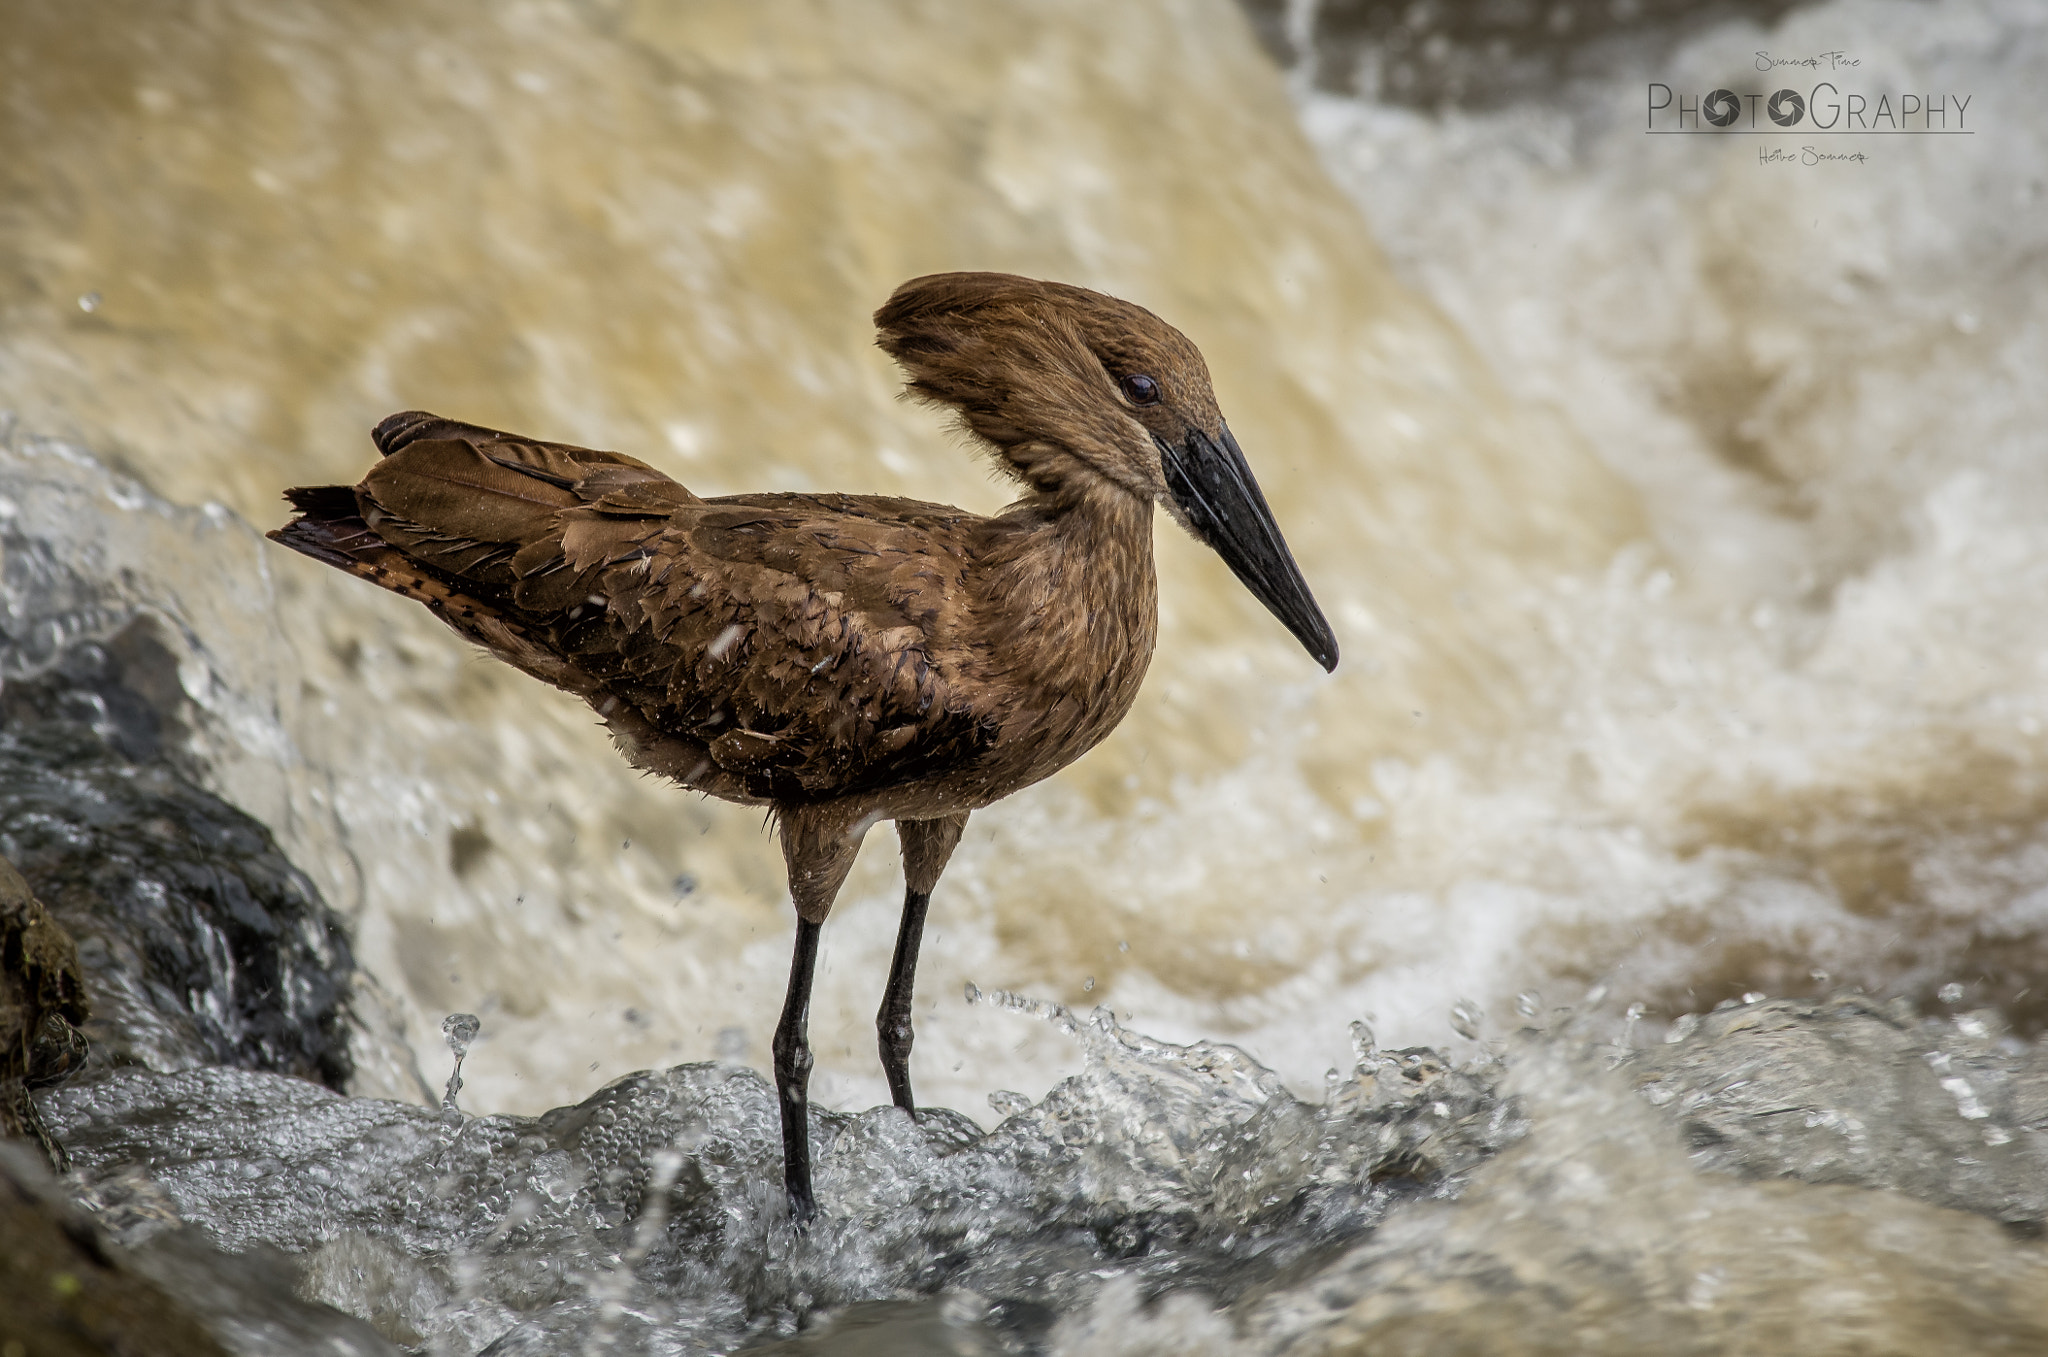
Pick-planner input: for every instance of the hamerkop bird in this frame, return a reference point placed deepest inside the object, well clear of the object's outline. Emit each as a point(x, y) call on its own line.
point(845, 659)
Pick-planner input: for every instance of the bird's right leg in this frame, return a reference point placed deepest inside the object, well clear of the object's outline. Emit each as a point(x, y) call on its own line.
point(927, 845)
point(793, 1074)
point(819, 850)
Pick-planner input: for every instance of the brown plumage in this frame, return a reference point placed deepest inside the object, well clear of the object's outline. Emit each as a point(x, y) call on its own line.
point(845, 659)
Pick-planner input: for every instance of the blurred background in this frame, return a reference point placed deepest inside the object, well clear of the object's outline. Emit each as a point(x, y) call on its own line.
point(1683, 515)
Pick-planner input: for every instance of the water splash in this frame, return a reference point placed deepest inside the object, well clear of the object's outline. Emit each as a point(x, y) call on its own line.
point(1166, 1190)
point(460, 1029)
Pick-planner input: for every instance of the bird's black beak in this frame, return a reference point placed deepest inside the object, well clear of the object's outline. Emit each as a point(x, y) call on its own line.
point(1213, 486)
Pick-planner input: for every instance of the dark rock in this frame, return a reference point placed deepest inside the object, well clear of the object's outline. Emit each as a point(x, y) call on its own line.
point(1426, 54)
point(42, 1008)
point(199, 942)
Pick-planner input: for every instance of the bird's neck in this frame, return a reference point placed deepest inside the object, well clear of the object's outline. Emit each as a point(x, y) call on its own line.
point(1073, 582)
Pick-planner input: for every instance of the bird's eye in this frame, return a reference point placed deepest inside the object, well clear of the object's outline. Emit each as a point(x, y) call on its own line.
point(1141, 389)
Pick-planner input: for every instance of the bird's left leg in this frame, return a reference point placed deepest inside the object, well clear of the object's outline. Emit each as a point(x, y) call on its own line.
point(819, 849)
point(927, 844)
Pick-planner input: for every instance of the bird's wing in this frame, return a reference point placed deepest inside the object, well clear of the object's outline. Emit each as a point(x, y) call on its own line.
point(808, 642)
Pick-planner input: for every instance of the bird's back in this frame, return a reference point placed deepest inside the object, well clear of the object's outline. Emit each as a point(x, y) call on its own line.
point(779, 648)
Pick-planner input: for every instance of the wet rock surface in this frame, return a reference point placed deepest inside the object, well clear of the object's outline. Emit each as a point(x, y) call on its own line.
point(200, 944)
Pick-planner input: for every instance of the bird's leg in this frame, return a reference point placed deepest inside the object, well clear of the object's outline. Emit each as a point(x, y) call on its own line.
point(793, 1074)
point(892, 1023)
point(927, 844)
point(818, 844)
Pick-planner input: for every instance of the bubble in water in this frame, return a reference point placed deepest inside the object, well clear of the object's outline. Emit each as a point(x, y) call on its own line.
point(1088, 984)
point(1684, 1027)
point(460, 1030)
point(89, 302)
point(1528, 1003)
point(1951, 993)
point(1465, 1019)
point(1755, 996)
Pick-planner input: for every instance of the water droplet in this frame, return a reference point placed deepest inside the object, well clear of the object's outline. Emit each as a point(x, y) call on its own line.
point(972, 991)
point(89, 303)
point(460, 1029)
point(1465, 1019)
point(1528, 1003)
point(1681, 1029)
point(1755, 996)
point(1088, 984)
point(1951, 993)
point(1595, 995)
point(1005, 1103)
point(1362, 1043)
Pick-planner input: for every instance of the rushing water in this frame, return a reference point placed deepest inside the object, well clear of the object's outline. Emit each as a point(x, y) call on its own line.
point(1680, 514)
point(1164, 1199)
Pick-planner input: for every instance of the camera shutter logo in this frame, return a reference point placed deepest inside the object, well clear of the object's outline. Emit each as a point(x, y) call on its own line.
point(1721, 107)
point(1786, 108)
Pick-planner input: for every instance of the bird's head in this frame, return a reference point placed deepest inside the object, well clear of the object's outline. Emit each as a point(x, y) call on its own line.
point(1081, 393)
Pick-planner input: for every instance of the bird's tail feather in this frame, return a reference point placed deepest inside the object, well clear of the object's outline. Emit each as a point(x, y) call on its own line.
point(347, 543)
point(324, 501)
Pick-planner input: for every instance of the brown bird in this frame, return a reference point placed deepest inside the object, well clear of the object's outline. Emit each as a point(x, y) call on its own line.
point(845, 659)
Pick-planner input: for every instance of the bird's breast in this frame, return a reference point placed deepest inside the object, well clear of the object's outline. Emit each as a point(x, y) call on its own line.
point(1066, 632)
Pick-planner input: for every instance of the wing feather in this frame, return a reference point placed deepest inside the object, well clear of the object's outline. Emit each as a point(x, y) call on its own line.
point(804, 641)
